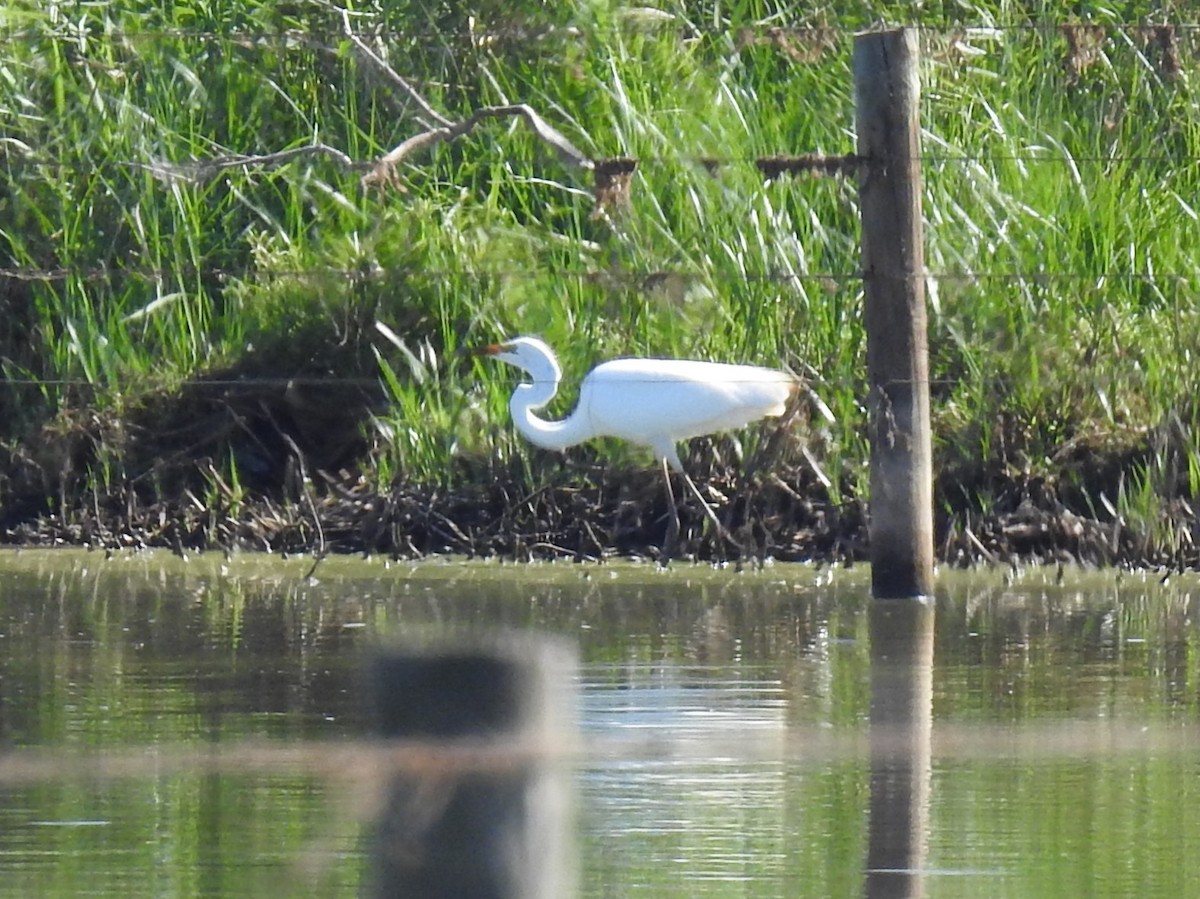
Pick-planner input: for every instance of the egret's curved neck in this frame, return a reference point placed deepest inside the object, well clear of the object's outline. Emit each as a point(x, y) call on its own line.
point(528, 397)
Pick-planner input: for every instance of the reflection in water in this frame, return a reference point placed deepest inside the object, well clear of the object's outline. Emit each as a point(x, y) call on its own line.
point(726, 719)
point(689, 784)
point(901, 722)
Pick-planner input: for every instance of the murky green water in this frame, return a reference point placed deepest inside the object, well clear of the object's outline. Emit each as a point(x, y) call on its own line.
point(726, 719)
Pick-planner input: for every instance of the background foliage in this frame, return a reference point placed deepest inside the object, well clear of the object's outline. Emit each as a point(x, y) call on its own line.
point(165, 300)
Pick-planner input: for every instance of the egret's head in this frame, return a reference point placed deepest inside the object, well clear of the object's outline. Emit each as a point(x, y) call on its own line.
point(530, 354)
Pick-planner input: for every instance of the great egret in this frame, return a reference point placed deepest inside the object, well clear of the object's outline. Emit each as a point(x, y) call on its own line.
point(651, 402)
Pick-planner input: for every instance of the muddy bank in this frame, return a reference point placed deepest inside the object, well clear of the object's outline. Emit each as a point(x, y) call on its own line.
point(590, 520)
point(589, 516)
point(305, 487)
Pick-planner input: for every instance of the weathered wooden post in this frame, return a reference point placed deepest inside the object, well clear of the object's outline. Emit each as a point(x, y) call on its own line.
point(887, 94)
point(486, 814)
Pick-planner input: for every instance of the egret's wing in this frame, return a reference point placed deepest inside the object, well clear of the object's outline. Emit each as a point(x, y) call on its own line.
point(652, 401)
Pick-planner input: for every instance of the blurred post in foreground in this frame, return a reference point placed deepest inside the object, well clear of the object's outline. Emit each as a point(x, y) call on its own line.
point(481, 806)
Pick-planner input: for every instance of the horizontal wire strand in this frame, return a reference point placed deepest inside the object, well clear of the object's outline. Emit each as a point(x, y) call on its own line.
point(299, 37)
point(336, 381)
point(178, 171)
point(629, 277)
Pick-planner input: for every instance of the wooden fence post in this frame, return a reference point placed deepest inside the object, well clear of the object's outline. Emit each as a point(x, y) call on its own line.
point(887, 94)
point(493, 822)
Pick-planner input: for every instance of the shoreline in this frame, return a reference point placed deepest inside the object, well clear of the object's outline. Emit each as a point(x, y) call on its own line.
point(619, 517)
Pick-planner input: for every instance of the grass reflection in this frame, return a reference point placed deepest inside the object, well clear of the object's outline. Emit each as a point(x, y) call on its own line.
point(174, 728)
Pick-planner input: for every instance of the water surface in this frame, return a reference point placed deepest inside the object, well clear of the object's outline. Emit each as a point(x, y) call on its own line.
point(726, 720)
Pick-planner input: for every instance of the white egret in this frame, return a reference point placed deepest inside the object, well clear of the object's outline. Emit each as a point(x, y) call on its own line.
point(651, 402)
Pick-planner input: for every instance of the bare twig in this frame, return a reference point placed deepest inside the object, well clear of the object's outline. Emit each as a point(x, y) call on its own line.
point(194, 172)
point(978, 544)
point(446, 129)
point(380, 63)
point(384, 170)
point(438, 129)
point(320, 549)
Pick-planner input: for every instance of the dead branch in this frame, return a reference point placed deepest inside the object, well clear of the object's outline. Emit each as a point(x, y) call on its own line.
point(446, 129)
point(380, 63)
point(438, 129)
point(195, 172)
point(384, 171)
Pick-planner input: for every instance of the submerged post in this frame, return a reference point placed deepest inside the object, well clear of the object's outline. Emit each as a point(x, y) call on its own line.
point(887, 95)
point(484, 811)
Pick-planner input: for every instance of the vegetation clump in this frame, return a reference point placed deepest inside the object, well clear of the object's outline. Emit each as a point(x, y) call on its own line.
point(242, 247)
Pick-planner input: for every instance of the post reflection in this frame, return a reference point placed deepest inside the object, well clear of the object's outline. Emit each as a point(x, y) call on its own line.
point(900, 734)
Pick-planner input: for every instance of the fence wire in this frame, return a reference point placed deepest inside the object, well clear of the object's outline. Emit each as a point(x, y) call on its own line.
point(645, 22)
point(196, 170)
point(17, 157)
point(646, 279)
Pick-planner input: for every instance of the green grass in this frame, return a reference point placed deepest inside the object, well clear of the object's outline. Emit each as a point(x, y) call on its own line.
point(1059, 199)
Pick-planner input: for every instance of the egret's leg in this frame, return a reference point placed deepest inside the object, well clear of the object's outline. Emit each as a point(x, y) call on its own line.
point(672, 537)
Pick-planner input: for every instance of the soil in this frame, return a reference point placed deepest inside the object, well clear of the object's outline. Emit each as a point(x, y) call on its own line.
point(787, 516)
point(300, 493)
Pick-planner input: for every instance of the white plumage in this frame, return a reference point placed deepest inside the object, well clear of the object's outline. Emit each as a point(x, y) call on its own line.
point(651, 402)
